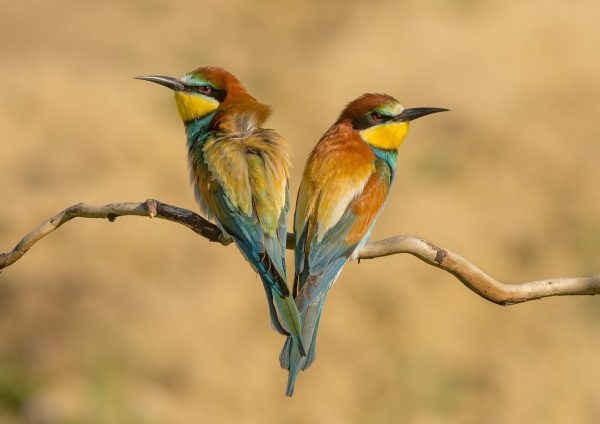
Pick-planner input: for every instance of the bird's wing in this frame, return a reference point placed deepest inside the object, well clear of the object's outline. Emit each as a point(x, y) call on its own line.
point(269, 163)
point(246, 191)
point(334, 214)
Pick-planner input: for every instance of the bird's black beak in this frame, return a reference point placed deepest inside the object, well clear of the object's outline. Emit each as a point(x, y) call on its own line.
point(169, 82)
point(417, 112)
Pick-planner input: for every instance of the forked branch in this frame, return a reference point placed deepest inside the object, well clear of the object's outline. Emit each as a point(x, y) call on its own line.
point(469, 274)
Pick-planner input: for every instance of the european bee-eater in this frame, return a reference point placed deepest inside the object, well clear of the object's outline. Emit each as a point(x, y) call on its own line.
point(343, 190)
point(240, 173)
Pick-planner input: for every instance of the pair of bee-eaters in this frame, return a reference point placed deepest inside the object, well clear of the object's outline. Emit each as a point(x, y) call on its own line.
point(240, 173)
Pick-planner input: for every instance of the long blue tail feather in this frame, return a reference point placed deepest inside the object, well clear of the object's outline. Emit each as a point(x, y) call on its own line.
point(290, 357)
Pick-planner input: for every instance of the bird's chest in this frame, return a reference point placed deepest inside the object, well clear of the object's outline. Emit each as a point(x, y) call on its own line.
point(205, 185)
point(200, 172)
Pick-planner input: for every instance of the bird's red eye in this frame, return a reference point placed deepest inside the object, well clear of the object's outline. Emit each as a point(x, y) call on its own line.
point(376, 116)
point(205, 89)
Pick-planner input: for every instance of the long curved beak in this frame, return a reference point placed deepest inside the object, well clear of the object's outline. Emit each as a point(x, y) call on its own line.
point(169, 82)
point(417, 112)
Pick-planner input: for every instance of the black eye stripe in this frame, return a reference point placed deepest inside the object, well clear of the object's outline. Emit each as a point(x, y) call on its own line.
point(215, 93)
point(367, 121)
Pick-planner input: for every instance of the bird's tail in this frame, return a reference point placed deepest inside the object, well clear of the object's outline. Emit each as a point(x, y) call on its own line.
point(282, 308)
point(291, 357)
point(275, 321)
point(290, 319)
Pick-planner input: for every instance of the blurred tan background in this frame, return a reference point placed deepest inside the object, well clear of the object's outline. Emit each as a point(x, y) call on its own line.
point(144, 322)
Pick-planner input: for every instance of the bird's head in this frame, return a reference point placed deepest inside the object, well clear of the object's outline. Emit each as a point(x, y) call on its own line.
point(380, 120)
point(203, 91)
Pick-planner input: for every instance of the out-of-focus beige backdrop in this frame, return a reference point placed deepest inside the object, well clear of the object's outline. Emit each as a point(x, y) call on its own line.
point(142, 321)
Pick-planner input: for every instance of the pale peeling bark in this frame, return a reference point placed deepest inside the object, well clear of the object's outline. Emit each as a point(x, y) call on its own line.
point(469, 274)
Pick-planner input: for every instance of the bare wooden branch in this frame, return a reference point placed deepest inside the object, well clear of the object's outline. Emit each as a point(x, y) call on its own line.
point(477, 280)
point(150, 208)
point(469, 274)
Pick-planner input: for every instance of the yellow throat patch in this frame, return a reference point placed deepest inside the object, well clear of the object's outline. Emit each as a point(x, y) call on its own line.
point(193, 106)
point(387, 136)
